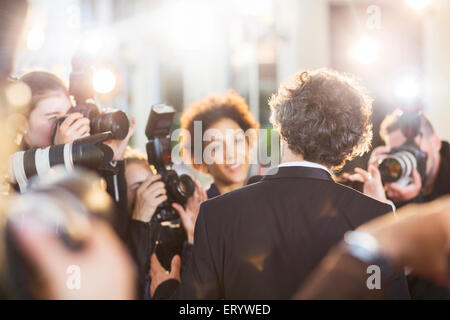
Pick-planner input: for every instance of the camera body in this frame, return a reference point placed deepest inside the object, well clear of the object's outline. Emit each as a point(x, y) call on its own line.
point(179, 188)
point(400, 162)
point(114, 121)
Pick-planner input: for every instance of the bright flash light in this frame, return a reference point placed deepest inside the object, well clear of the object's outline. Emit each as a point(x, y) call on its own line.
point(104, 81)
point(418, 4)
point(408, 88)
point(191, 25)
point(366, 51)
point(35, 39)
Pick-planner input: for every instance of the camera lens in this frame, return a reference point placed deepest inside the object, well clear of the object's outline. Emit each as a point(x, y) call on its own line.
point(397, 166)
point(115, 121)
point(186, 186)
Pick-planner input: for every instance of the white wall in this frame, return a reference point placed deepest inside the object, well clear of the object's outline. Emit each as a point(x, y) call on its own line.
point(437, 66)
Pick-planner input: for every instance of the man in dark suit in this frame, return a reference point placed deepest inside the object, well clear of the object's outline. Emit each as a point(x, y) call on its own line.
point(264, 240)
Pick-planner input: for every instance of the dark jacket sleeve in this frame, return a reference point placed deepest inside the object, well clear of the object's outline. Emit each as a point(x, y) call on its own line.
point(200, 280)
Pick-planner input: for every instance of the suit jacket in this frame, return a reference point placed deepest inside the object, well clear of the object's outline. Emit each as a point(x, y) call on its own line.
point(262, 241)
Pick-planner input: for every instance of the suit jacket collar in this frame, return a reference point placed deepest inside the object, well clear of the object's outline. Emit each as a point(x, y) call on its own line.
point(298, 172)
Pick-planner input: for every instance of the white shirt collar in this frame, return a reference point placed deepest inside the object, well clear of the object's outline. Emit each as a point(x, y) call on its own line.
point(304, 164)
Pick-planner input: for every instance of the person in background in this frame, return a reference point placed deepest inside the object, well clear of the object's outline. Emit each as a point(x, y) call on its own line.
point(227, 118)
point(145, 192)
point(262, 241)
point(436, 184)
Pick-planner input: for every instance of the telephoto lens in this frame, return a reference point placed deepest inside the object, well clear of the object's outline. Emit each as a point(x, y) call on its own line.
point(399, 164)
point(62, 204)
point(88, 152)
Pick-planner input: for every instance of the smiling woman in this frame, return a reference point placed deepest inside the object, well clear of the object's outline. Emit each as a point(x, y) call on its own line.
point(224, 122)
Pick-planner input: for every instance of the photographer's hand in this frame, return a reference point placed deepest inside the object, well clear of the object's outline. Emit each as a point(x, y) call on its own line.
point(97, 280)
point(74, 127)
point(418, 237)
point(399, 194)
point(119, 146)
point(159, 274)
point(150, 194)
point(189, 215)
point(378, 154)
point(373, 186)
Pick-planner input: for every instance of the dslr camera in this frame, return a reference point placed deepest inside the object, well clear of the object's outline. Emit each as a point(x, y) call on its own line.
point(179, 188)
point(399, 163)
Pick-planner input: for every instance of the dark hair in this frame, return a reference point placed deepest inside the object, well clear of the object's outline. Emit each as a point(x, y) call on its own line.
point(214, 108)
point(324, 116)
point(394, 121)
point(41, 83)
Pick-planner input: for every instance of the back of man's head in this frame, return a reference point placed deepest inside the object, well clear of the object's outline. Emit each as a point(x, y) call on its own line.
point(324, 116)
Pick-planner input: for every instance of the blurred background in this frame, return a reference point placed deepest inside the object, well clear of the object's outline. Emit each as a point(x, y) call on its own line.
point(175, 51)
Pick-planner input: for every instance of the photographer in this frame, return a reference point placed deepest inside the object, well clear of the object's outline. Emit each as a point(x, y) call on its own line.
point(50, 103)
point(435, 184)
point(145, 192)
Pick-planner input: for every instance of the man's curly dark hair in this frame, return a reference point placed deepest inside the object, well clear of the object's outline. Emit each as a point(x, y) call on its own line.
point(324, 116)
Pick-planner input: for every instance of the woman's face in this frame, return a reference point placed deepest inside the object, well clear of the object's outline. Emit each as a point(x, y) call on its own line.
point(227, 154)
point(135, 173)
point(40, 122)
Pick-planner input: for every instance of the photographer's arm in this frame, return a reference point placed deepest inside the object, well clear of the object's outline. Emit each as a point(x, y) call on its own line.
point(200, 280)
point(418, 237)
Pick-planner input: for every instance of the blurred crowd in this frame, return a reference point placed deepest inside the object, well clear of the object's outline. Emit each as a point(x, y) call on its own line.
point(86, 216)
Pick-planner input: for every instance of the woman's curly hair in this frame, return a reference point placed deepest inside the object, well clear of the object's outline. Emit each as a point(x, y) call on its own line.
point(324, 116)
point(213, 109)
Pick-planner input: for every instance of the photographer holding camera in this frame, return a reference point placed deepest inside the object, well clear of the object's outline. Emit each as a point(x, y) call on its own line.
point(50, 101)
point(145, 192)
point(51, 120)
point(425, 182)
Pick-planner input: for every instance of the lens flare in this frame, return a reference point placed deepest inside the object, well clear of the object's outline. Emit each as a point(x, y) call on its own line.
point(104, 81)
point(418, 4)
point(366, 51)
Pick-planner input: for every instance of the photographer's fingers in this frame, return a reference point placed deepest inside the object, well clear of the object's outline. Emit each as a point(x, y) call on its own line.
point(417, 179)
point(183, 214)
point(353, 177)
point(374, 172)
point(131, 130)
point(378, 153)
point(365, 174)
point(71, 118)
point(78, 128)
point(202, 196)
point(147, 182)
point(156, 187)
point(175, 267)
